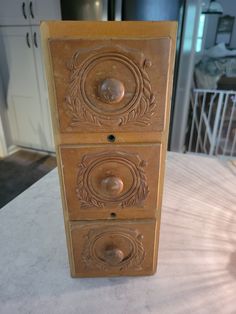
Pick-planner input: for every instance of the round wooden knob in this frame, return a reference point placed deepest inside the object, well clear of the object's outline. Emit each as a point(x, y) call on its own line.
point(111, 90)
point(113, 256)
point(112, 185)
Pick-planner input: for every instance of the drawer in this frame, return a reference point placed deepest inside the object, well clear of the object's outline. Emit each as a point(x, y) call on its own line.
point(113, 248)
point(110, 85)
point(111, 181)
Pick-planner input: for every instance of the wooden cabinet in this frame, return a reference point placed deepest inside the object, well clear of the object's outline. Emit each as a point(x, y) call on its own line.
point(110, 99)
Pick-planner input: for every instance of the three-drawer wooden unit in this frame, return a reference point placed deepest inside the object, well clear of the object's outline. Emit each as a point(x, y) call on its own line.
point(110, 88)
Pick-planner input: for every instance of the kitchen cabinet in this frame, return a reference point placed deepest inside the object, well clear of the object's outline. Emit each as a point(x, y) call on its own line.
point(22, 71)
point(27, 117)
point(42, 85)
point(15, 12)
point(44, 10)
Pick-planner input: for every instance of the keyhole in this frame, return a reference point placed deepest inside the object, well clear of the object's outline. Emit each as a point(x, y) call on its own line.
point(111, 138)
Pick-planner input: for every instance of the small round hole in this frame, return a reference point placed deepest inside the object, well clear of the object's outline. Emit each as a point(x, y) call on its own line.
point(111, 138)
point(113, 215)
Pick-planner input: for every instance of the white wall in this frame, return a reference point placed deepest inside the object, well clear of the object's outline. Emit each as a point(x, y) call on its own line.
point(229, 8)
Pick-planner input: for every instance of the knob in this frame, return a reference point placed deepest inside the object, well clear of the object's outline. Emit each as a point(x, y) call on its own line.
point(111, 90)
point(113, 256)
point(112, 186)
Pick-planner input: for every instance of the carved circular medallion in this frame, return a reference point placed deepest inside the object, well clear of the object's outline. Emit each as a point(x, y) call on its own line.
point(111, 178)
point(95, 71)
point(108, 77)
point(115, 246)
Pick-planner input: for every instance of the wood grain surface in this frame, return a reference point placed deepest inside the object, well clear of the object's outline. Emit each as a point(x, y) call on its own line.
point(110, 87)
point(104, 248)
point(85, 169)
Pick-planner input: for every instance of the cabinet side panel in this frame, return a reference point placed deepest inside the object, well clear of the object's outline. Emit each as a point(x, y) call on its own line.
point(51, 90)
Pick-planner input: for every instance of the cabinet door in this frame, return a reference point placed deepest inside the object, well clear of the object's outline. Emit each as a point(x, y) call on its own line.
point(14, 12)
point(25, 113)
point(49, 144)
point(41, 10)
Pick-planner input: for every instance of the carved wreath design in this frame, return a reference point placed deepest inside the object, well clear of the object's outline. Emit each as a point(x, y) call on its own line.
point(132, 237)
point(139, 113)
point(134, 197)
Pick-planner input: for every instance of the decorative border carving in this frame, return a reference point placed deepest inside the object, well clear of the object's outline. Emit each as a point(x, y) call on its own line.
point(137, 112)
point(133, 260)
point(134, 197)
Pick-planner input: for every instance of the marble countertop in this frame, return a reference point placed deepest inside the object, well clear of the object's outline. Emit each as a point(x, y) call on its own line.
point(197, 256)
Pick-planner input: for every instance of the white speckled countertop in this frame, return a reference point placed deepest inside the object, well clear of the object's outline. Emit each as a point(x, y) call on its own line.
point(197, 257)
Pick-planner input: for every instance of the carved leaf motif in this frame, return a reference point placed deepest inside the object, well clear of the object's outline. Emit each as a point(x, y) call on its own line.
point(134, 260)
point(88, 199)
point(140, 113)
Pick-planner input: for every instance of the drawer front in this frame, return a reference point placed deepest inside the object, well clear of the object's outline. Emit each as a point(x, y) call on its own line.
point(113, 248)
point(110, 85)
point(115, 181)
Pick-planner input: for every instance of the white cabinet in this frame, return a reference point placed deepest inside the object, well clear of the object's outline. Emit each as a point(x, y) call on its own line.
point(44, 97)
point(21, 67)
point(26, 109)
point(40, 10)
point(17, 12)
point(13, 12)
